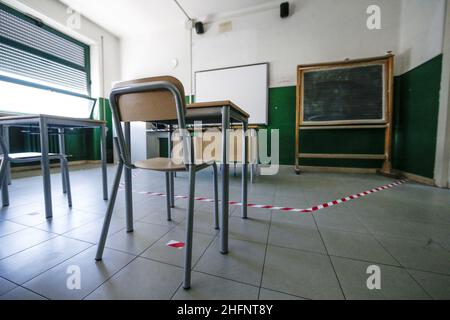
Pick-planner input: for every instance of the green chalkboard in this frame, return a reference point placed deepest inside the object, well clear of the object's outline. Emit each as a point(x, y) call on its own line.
point(353, 94)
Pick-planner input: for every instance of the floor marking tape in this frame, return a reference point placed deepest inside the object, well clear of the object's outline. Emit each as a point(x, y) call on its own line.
point(176, 244)
point(286, 209)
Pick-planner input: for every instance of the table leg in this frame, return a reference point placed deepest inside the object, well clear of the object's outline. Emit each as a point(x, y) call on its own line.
point(225, 180)
point(62, 150)
point(45, 163)
point(5, 131)
point(104, 162)
point(128, 182)
point(244, 170)
point(4, 175)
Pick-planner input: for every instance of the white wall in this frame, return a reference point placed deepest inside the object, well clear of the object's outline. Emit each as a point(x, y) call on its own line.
point(152, 54)
point(421, 32)
point(55, 14)
point(317, 31)
point(442, 168)
point(148, 55)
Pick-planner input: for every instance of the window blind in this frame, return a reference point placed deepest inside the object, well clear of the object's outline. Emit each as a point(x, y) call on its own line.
point(33, 52)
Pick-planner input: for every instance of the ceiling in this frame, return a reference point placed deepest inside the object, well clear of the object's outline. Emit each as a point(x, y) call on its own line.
point(128, 17)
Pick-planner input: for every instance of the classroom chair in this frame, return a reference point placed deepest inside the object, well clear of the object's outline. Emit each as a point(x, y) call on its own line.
point(152, 100)
point(7, 158)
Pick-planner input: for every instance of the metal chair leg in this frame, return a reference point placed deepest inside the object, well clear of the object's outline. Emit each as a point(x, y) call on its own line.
point(65, 170)
point(63, 179)
point(109, 212)
point(4, 182)
point(172, 189)
point(189, 229)
point(168, 197)
point(216, 196)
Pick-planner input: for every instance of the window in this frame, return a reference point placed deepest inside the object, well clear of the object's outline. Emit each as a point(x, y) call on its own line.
point(41, 69)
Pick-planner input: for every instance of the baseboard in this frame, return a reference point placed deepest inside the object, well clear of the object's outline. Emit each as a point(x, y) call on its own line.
point(336, 169)
point(55, 165)
point(416, 178)
point(34, 170)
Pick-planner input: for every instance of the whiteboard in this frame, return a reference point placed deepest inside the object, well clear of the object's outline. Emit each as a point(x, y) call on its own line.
point(246, 86)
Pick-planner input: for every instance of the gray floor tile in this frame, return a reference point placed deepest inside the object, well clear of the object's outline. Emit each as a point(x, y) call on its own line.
point(356, 245)
point(339, 218)
point(29, 263)
point(91, 231)
point(397, 228)
point(252, 213)
point(293, 201)
point(243, 263)
point(161, 252)
point(61, 225)
point(22, 240)
point(299, 273)
point(6, 286)
point(207, 287)
point(269, 295)
point(203, 223)
point(438, 286)
point(16, 211)
point(53, 283)
point(142, 279)
point(7, 227)
point(143, 237)
point(160, 217)
point(296, 237)
point(419, 255)
point(298, 219)
point(37, 216)
point(396, 283)
point(251, 229)
point(21, 294)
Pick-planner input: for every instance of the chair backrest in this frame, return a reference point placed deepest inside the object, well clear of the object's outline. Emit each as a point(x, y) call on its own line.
point(149, 99)
point(155, 105)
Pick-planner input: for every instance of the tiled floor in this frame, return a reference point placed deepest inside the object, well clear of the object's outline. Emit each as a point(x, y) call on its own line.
point(404, 231)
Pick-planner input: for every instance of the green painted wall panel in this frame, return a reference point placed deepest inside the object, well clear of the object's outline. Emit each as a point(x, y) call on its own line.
point(416, 118)
point(282, 104)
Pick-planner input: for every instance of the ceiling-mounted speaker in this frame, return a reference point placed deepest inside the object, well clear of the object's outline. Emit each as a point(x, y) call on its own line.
point(284, 10)
point(199, 28)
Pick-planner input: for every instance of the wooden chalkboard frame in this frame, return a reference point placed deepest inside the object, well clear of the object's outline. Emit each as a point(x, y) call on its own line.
point(302, 69)
point(386, 123)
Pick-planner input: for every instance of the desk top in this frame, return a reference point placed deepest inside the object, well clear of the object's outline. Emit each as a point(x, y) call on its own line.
point(51, 120)
point(214, 104)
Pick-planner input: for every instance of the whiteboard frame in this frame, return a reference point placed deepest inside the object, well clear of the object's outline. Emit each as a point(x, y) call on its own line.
point(343, 65)
point(237, 67)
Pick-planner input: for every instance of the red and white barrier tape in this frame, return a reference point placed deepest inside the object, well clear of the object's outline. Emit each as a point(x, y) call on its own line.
point(287, 209)
point(356, 196)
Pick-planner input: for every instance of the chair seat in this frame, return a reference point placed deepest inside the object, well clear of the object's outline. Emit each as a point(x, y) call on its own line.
point(160, 164)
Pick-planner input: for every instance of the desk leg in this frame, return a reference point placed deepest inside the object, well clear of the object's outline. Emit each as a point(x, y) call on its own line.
point(225, 180)
point(62, 150)
point(104, 160)
point(128, 182)
point(244, 170)
point(5, 131)
point(4, 174)
point(45, 163)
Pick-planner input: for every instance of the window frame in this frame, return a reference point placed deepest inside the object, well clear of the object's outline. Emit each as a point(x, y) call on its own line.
point(87, 63)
